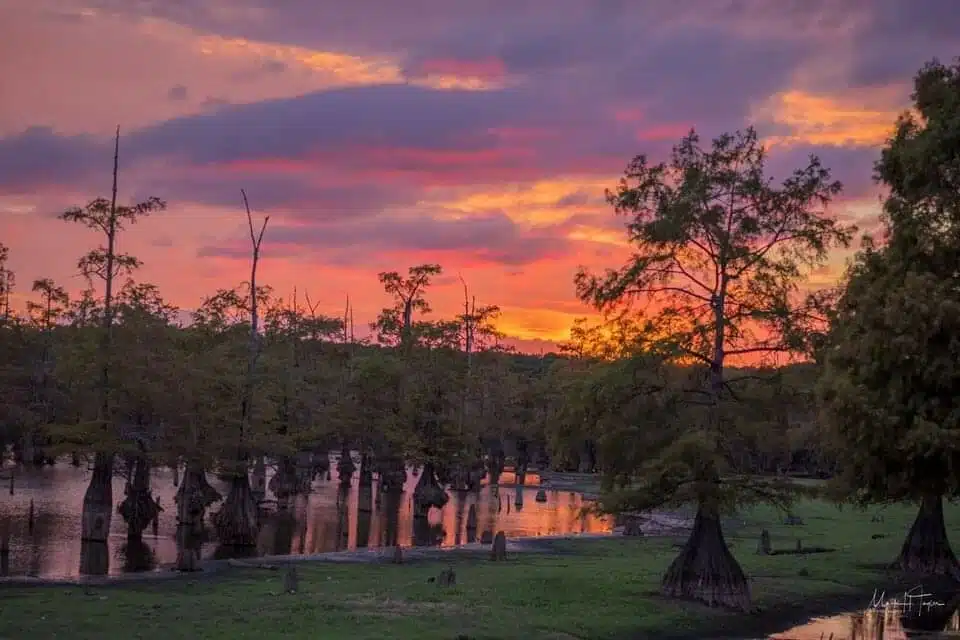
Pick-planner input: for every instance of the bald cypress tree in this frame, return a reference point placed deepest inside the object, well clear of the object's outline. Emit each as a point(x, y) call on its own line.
point(718, 252)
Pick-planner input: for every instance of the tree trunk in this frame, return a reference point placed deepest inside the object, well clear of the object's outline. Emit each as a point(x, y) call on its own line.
point(236, 521)
point(495, 464)
point(705, 570)
point(366, 466)
point(393, 475)
point(345, 467)
point(285, 483)
point(390, 534)
point(98, 501)
point(364, 515)
point(927, 548)
point(258, 486)
point(428, 493)
point(193, 498)
point(138, 508)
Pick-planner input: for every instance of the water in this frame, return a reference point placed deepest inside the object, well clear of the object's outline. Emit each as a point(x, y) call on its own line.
point(877, 624)
point(325, 520)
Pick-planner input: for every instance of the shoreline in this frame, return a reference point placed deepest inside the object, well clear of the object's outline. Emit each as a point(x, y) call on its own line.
point(657, 525)
point(210, 567)
point(772, 618)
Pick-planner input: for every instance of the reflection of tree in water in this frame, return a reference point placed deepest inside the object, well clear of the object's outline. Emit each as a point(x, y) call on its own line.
point(953, 624)
point(426, 534)
point(364, 515)
point(226, 551)
point(283, 525)
point(460, 501)
point(893, 622)
point(136, 555)
point(343, 518)
point(188, 549)
point(94, 558)
point(472, 523)
point(390, 532)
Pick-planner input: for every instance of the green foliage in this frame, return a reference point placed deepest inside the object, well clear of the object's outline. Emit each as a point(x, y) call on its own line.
point(713, 234)
point(719, 252)
point(890, 359)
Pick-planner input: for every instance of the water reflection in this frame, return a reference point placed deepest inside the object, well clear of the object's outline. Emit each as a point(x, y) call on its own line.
point(94, 558)
point(328, 519)
point(885, 623)
point(136, 555)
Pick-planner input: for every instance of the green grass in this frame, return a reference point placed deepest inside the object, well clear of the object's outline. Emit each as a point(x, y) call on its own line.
point(584, 589)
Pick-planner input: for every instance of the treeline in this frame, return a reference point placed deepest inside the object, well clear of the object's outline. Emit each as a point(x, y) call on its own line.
point(174, 389)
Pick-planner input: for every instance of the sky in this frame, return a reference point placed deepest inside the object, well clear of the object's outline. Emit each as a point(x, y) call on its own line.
point(478, 135)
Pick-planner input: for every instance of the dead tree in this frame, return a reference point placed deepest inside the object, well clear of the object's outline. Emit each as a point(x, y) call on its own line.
point(237, 520)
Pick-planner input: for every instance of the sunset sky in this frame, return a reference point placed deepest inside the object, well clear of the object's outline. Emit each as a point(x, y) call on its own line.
point(378, 135)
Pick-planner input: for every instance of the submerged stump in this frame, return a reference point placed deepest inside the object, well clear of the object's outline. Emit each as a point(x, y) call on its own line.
point(705, 570)
point(499, 551)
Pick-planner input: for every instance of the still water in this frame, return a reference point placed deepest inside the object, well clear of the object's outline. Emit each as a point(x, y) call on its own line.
point(326, 520)
point(887, 623)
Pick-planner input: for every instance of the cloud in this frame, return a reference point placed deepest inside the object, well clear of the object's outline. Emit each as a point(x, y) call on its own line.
point(490, 237)
point(862, 117)
point(477, 134)
point(852, 166)
point(297, 192)
point(900, 36)
point(177, 92)
point(39, 157)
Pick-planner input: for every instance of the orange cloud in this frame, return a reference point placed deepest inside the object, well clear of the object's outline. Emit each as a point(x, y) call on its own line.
point(448, 73)
point(86, 59)
point(863, 117)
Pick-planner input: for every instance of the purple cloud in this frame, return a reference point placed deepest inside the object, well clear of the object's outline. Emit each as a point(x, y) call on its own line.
point(487, 237)
point(38, 156)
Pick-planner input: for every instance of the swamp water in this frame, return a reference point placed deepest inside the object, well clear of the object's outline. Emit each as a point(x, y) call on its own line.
point(939, 621)
point(328, 519)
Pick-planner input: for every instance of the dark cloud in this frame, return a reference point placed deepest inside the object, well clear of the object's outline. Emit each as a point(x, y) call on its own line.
point(387, 116)
point(489, 237)
point(853, 166)
point(177, 92)
point(38, 157)
point(901, 36)
point(294, 196)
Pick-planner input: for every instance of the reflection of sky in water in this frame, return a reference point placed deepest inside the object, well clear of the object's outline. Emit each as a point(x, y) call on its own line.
point(323, 522)
point(872, 624)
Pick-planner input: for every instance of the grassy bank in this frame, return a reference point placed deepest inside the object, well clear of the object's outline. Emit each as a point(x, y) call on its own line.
point(582, 589)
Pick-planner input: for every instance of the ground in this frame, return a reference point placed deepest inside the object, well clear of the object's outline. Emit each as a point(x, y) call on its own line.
point(574, 589)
